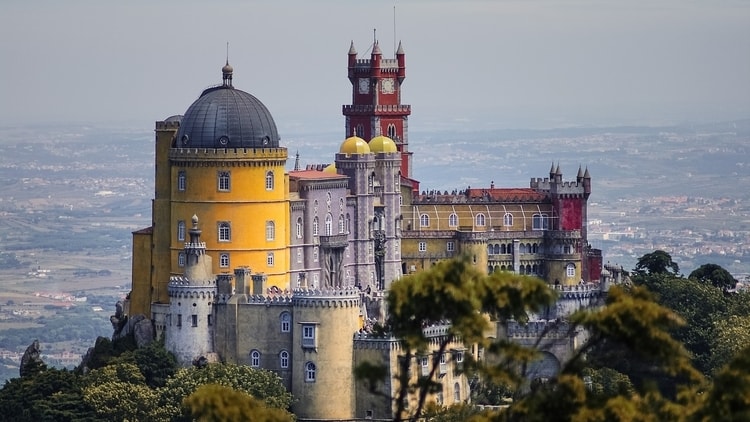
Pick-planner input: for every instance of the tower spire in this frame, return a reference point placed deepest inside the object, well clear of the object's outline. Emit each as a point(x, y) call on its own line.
point(227, 71)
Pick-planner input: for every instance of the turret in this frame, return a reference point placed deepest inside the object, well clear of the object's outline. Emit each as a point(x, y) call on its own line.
point(579, 176)
point(586, 183)
point(401, 59)
point(352, 61)
point(375, 58)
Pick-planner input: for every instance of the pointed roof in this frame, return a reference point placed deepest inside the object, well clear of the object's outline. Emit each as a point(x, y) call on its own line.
point(352, 50)
point(376, 49)
point(400, 49)
point(558, 172)
point(580, 172)
point(586, 175)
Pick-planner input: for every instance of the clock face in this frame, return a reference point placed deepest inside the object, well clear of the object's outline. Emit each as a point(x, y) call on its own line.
point(364, 86)
point(387, 86)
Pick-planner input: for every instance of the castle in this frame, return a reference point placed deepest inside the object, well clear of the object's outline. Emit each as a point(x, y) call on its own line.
point(246, 262)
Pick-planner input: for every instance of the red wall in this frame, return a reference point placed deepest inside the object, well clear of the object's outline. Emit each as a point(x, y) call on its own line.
point(571, 213)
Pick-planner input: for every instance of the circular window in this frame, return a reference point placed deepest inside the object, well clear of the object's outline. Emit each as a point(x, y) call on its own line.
point(185, 139)
point(224, 141)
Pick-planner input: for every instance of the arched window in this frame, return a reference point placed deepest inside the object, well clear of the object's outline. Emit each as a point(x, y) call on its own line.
point(360, 130)
point(299, 227)
point(392, 131)
point(309, 372)
point(539, 222)
point(181, 259)
point(480, 219)
point(270, 230)
point(181, 231)
point(315, 226)
point(329, 225)
point(284, 359)
point(342, 224)
point(424, 220)
point(502, 249)
point(225, 232)
point(453, 220)
point(269, 180)
point(570, 270)
point(224, 260)
point(269, 259)
point(456, 392)
point(181, 181)
point(508, 219)
point(348, 224)
point(255, 359)
point(286, 322)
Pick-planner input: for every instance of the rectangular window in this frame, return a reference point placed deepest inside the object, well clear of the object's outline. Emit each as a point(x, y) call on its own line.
point(179, 320)
point(209, 320)
point(194, 320)
point(225, 231)
point(308, 336)
point(450, 246)
point(299, 255)
point(424, 363)
point(223, 181)
point(422, 246)
point(443, 364)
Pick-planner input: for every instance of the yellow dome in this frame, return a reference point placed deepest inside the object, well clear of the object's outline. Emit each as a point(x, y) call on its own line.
point(331, 168)
point(354, 145)
point(382, 144)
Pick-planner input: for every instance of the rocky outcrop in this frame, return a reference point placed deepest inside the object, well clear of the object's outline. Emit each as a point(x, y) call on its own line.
point(31, 360)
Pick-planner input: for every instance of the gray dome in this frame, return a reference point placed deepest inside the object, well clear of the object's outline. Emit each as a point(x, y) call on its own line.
point(224, 117)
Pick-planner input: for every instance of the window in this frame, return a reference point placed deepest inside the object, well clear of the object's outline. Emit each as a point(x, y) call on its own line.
point(299, 227)
point(299, 255)
point(539, 222)
point(360, 130)
point(224, 260)
point(208, 320)
point(424, 363)
point(179, 320)
point(270, 230)
point(453, 220)
point(181, 181)
point(225, 232)
point(286, 322)
point(194, 320)
point(181, 230)
point(315, 226)
point(456, 392)
point(315, 254)
point(348, 221)
point(308, 335)
point(443, 364)
point(392, 131)
point(224, 181)
point(269, 259)
point(570, 270)
point(342, 225)
point(480, 219)
point(508, 219)
point(422, 246)
point(181, 259)
point(329, 225)
point(255, 359)
point(284, 359)
point(424, 220)
point(269, 180)
point(309, 372)
point(450, 246)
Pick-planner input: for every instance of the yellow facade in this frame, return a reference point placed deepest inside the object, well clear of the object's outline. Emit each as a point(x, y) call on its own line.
point(254, 197)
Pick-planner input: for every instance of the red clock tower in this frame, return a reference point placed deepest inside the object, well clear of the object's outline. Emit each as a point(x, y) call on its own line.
point(376, 107)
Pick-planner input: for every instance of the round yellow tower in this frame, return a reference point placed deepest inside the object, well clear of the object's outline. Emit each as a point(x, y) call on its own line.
point(226, 165)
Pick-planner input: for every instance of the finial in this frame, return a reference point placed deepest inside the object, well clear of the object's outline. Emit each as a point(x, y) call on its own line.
point(195, 221)
point(227, 71)
point(296, 161)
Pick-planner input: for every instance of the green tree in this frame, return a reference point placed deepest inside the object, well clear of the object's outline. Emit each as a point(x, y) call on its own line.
point(216, 403)
point(714, 275)
point(729, 397)
point(154, 361)
point(262, 384)
point(119, 392)
point(656, 262)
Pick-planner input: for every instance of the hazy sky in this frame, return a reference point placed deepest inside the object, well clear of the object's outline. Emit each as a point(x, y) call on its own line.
point(516, 64)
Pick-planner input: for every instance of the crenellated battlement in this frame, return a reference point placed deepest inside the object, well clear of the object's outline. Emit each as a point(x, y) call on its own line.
point(538, 329)
point(182, 287)
point(578, 291)
point(229, 153)
point(168, 125)
point(329, 298)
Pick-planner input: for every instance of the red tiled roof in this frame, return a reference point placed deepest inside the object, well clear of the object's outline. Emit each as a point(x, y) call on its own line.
point(314, 174)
